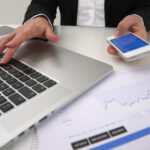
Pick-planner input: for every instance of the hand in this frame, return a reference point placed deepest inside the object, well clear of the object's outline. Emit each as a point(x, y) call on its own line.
point(36, 27)
point(131, 23)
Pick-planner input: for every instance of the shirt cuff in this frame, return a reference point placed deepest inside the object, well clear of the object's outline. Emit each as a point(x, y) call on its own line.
point(139, 17)
point(43, 16)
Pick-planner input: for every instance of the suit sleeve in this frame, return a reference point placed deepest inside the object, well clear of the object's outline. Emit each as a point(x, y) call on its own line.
point(46, 7)
point(142, 8)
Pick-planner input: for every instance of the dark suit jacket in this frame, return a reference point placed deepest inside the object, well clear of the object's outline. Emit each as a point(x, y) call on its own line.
point(115, 10)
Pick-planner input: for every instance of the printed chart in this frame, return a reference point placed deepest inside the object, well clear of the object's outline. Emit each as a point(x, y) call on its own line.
point(113, 114)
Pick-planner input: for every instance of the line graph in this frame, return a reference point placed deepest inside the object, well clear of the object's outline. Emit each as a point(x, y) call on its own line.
point(127, 95)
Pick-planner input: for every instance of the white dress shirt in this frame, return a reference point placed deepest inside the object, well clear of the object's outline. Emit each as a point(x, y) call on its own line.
point(91, 13)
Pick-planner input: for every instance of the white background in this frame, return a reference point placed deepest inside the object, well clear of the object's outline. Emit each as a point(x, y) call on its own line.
point(12, 11)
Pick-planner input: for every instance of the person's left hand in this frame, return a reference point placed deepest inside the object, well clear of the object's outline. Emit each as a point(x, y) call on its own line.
point(131, 23)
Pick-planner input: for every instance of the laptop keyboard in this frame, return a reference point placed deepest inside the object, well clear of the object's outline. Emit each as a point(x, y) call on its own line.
point(19, 83)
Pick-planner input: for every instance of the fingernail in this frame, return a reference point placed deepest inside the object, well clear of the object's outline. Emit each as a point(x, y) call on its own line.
point(1, 62)
point(8, 44)
point(116, 33)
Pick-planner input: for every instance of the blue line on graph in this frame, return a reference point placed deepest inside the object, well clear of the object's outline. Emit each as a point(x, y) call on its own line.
point(123, 140)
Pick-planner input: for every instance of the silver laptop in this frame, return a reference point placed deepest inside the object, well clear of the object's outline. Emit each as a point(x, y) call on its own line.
point(39, 81)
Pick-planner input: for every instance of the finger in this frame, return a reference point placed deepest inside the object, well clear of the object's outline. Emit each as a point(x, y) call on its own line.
point(111, 50)
point(1, 39)
point(5, 40)
point(8, 55)
point(50, 35)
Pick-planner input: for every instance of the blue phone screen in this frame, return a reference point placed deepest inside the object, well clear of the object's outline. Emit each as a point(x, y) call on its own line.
point(128, 43)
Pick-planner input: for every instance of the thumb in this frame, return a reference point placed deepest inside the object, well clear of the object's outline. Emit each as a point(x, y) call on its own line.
point(124, 26)
point(120, 30)
point(50, 35)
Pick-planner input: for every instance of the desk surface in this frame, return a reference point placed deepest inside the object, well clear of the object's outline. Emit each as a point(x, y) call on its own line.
point(92, 43)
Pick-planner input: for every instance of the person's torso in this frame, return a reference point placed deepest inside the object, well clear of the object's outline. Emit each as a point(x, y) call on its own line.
point(114, 11)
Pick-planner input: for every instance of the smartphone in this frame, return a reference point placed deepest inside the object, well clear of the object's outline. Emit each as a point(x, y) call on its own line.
point(129, 46)
point(4, 30)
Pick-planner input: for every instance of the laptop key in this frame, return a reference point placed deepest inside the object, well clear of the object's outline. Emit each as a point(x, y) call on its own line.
point(18, 65)
point(11, 81)
point(8, 91)
point(3, 86)
point(6, 76)
point(42, 78)
point(28, 93)
point(49, 83)
point(24, 78)
point(2, 100)
point(38, 88)
point(30, 82)
point(1, 81)
point(2, 72)
point(28, 71)
point(17, 99)
point(6, 67)
point(17, 85)
point(1, 55)
point(35, 75)
point(13, 71)
point(18, 74)
point(6, 107)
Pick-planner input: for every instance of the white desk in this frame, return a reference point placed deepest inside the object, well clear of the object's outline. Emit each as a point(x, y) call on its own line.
point(90, 42)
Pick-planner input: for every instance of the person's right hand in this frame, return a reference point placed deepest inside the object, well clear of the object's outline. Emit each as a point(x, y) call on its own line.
point(36, 27)
point(131, 23)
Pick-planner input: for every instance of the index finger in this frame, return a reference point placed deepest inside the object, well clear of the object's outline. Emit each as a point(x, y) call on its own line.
point(5, 40)
point(8, 55)
point(111, 50)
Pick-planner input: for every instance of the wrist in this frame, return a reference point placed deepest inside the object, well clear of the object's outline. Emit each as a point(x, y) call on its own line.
point(42, 18)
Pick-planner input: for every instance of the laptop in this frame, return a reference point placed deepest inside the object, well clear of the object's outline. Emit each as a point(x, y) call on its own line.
point(39, 81)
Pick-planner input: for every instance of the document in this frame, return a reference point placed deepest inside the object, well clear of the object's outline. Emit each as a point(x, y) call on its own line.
point(115, 114)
